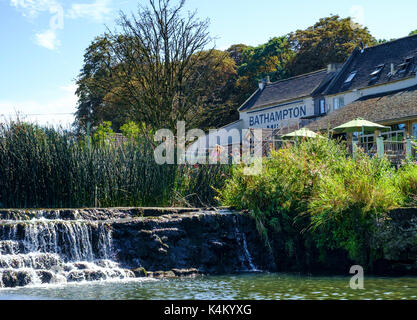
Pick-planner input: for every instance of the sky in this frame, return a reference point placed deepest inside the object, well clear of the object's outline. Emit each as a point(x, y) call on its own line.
point(43, 41)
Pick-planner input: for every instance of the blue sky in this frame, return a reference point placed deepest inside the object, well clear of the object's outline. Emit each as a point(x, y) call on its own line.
point(43, 41)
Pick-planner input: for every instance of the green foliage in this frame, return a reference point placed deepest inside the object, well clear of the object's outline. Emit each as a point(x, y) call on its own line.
point(412, 33)
point(331, 40)
point(269, 59)
point(313, 190)
point(348, 200)
point(44, 167)
point(131, 130)
point(407, 182)
point(104, 133)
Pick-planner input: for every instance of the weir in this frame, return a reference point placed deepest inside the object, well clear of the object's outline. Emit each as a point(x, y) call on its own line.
point(56, 251)
point(63, 246)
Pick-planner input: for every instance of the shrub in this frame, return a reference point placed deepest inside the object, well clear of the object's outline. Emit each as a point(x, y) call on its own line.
point(407, 182)
point(313, 188)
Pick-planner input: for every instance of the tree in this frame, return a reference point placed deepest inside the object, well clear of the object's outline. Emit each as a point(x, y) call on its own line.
point(104, 133)
point(93, 82)
point(160, 56)
point(413, 33)
point(330, 40)
point(269, 59)
point(218, 91)
point(236, 52)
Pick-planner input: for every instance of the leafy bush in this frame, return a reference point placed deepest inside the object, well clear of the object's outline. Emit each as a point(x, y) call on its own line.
point(313, 189)
point(407, 182)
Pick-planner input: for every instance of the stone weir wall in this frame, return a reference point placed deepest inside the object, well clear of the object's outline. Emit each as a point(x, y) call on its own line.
point(52, 246)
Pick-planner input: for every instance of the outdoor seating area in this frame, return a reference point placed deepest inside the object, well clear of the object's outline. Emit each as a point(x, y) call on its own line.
point(360, 134)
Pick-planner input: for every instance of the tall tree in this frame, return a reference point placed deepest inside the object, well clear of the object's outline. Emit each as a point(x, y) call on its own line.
point(330, 40)
point(269, 59)
point(160, 65)
point(218, 91)
point(236, 52)
point(94, 82)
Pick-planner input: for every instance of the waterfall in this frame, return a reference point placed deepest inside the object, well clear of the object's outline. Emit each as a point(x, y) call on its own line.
point(241, 237)
point(39, 251)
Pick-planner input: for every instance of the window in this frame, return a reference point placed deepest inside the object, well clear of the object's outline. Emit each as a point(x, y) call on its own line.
point(338, 102)
point(403, 67)
point(350, 77)
point(322, 106)
point(341, 102)
point(377, 71)
point(415, 130)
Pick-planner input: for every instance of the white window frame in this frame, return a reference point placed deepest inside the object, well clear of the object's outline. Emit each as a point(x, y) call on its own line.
point(322, 103)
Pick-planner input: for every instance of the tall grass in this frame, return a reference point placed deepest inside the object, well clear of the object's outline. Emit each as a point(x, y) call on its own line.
point(44, 167)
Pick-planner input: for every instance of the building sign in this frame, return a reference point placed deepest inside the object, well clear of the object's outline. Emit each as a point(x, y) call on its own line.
point(271, 118)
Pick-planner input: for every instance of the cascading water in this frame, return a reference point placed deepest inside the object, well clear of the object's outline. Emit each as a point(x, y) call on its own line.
point(247, 258)
point(41, 251)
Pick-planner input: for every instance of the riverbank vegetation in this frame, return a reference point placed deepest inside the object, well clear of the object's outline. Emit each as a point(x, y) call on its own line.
point(313, 196)
point(49, 168)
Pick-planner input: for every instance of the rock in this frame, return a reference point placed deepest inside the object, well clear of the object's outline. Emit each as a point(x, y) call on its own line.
point(140, 272)
point(76, 276)
point(161, 274)
point(203, 240)
point(185, 272)
point(45, 276)
point(9, 279)
point(81, 265)
point(95, 275)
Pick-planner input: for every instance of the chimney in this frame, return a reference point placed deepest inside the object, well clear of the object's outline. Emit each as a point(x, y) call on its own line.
point(392, 70)
point(264, 82)
point(268, 80)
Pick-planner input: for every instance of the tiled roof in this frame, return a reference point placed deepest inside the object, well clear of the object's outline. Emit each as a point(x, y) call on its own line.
point(376, 108)
point(289, 89)
point(367, 61)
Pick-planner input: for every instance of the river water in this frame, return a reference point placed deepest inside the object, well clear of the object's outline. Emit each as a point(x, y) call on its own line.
point(244, 286)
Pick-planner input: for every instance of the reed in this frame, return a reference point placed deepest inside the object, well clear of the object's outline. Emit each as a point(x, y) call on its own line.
point(51, 168)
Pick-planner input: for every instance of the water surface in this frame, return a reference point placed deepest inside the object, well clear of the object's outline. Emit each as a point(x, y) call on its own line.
point(243, 286)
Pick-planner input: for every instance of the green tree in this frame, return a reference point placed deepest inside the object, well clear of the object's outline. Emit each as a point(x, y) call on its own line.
point(104, 133)
point(93, 82)
point(269, 59)
point(131, 130)
point(330, 40)
point(217, 91)
point(413, 33)
point(236, 52)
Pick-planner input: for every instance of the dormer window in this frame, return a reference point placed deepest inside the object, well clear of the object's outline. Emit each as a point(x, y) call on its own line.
point(377, 72)
point(350, 77)
point(404, 66)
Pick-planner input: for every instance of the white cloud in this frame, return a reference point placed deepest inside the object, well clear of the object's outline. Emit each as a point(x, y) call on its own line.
point(54, 112)
point(32, 8)
point(98, 10)
point(47, 39)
